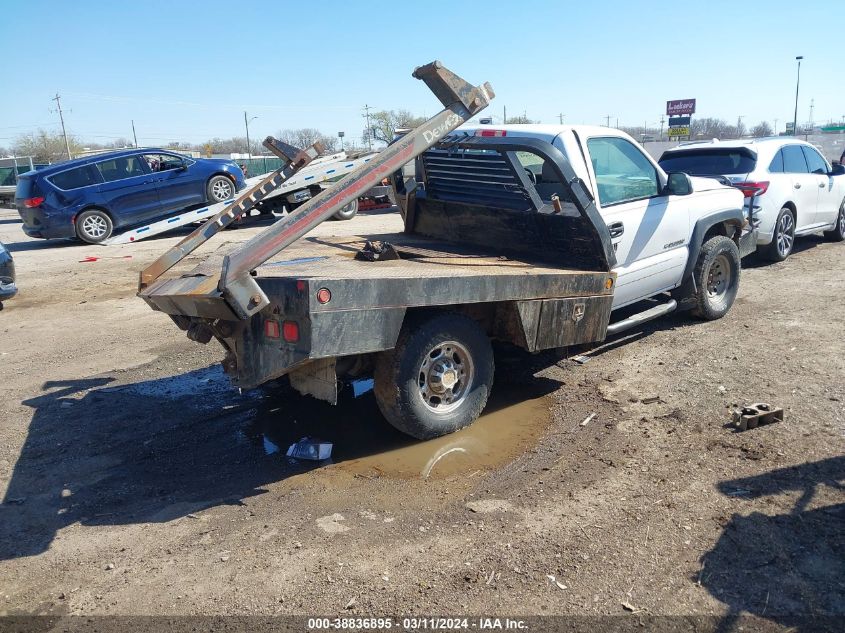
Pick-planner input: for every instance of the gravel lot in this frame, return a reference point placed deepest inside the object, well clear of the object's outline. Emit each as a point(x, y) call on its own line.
point(134, 480)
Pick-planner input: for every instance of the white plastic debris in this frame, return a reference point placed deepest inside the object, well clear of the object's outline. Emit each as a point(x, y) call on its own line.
point(310, 448)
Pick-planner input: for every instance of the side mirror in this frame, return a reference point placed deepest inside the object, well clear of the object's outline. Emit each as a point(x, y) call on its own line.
point(838, 169)
point(678, 184)
point(183, 165)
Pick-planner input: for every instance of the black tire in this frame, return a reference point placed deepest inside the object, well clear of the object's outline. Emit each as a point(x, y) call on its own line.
point(404, 374)
point(716, 277)
point(783, 240)
point(219, 188)
point(837, 234)
point(93, 226)
point(347, 212)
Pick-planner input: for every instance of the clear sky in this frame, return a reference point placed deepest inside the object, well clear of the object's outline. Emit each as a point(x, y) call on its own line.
point(185, 70)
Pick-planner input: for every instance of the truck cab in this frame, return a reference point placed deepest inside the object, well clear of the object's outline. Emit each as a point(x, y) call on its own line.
point(652, 223)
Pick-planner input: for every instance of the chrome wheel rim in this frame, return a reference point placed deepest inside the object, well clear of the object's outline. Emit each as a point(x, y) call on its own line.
point(842, 222)
point(94, 226)
point(445, 377)
point(719, 279)
point(221, 189)
point(784, 234)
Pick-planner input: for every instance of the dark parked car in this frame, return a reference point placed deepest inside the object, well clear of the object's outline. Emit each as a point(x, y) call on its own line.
point(90, 197)
point(8, 289)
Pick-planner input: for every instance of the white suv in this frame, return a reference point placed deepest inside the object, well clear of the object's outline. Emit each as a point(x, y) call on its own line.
point(797, 189)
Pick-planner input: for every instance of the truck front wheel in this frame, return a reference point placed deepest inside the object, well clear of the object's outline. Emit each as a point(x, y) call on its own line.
point(438, 377)
point(716, 278)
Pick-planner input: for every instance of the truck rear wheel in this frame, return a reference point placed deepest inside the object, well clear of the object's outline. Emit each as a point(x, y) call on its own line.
point(716, 278)
point(438, 377)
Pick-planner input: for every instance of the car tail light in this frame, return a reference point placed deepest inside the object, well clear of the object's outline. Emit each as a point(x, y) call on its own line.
point(271, 329)
point(290, 331)
point(31, 203)
point(752, 188)
point(491, 133)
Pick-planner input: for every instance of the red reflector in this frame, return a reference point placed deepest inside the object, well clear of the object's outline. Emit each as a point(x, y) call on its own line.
point(31, 203)
point(491, 133)
point(271, 329)
point(300, 286)
point(752, 188)
point(290, 331)
point(324, 295)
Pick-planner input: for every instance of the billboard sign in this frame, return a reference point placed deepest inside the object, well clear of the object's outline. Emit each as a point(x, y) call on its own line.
point(678, 131)
point(678, 121)
point(680, 106)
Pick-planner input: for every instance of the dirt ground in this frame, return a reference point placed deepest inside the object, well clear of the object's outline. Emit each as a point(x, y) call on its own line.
point(134, 480)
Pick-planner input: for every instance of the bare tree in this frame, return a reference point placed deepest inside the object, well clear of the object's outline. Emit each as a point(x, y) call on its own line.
point(45, 146)
point(306, 137)
point(383, 124)
point(519, 119)
point(762, 129)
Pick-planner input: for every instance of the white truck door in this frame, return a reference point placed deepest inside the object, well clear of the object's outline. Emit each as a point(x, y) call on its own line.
point(650, 231)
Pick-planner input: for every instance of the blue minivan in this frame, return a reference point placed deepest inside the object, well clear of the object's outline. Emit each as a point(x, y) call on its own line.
point(89, 198)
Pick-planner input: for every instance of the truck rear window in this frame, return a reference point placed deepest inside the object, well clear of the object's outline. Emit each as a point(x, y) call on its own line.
point(710, 162)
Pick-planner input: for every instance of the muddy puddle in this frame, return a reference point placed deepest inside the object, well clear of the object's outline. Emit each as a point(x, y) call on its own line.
point(364, 444)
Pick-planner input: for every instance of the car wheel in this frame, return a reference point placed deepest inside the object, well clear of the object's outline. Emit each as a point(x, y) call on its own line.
point(438, 377)
point(219, 189)
point(348, 212)
point(838, 232)
point(783, 239)
point(716, 277)
point(93, 226)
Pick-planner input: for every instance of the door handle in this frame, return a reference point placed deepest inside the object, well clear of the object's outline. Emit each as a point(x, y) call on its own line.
point(797, 185)
point(616, 229)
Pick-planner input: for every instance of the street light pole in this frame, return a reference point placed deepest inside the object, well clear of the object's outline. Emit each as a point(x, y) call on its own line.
point(797, 84)
point(246, 125)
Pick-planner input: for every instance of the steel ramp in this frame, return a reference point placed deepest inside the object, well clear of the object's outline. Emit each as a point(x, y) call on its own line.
point(233, 293)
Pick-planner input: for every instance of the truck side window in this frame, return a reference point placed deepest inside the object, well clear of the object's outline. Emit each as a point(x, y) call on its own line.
point(623, 173)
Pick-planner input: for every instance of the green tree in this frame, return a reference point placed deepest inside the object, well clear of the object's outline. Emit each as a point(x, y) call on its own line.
point(46, 146)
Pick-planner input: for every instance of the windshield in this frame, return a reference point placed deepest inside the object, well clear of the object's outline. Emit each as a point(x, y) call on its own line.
point(710, 162)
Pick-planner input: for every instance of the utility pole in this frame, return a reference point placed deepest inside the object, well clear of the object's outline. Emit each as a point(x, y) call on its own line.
point(134, 136)
point(560, 116)
point(608, 120)
point(662, 121)
point(504, 115)
point(369, 129)
point(797, 84)
point(57, 99)
point(776, 126)
point(812, 107)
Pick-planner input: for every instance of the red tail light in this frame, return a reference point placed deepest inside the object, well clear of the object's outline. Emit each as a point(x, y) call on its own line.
point(491, 133)
point(752, 188)
point(290, 331)
point(31, 203)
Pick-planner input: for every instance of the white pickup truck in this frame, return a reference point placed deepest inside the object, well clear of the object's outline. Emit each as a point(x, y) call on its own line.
point(658, 222)
point(529, 235)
